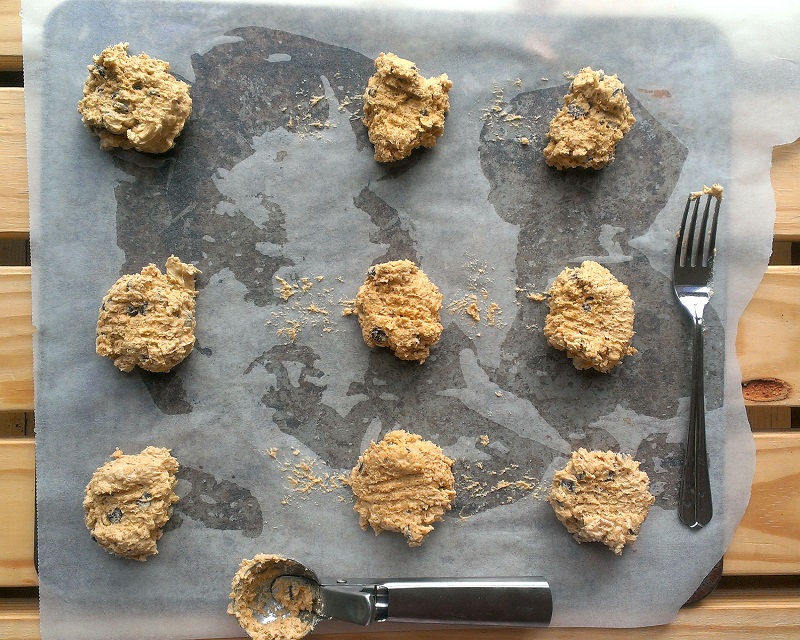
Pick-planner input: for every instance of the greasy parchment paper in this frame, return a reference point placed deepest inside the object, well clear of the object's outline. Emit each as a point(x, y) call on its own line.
point(274, 178)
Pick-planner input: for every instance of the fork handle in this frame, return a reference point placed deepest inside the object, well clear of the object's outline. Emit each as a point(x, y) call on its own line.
point(694, 508)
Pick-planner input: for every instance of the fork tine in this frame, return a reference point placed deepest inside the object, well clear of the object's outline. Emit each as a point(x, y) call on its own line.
point(680, 254)
point(701, 239)
point(690, 242)
point(712, 239)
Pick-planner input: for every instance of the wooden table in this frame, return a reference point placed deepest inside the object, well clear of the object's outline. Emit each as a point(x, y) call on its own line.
point(759, 594)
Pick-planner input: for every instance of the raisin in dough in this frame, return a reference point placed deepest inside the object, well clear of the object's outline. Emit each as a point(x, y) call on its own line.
point(601, 496)
point(591, 317)
point(133, 102)
point(402, 109)
point(403, 483)
point(129, 500)
point(594, 118)
point(148, 319)
point(399, 308)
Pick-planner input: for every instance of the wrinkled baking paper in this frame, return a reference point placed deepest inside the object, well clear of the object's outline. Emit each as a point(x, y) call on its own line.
point(273, 178)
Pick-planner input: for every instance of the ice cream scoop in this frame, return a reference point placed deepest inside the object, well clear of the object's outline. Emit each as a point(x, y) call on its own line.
point(277, 597)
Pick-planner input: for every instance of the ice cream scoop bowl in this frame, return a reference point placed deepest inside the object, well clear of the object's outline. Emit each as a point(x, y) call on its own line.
point(277, 597)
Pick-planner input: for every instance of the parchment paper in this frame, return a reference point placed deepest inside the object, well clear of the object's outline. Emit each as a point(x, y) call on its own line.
point(274, 178)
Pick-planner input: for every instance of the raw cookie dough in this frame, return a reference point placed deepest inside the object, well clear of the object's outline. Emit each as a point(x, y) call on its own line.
point(398, 307)
point(147, 319)
point(133, 102)
point(715, 191)
point(403, 483)
point(591, 317)
point(592, 121)
point(293, 599)
point(129, 500)
point(403, 110)
point(601, 496)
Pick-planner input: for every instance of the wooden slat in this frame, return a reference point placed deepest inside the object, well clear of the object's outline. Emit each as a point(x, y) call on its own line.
point(785, 166)
point(16, 340)
point(768, 538)
point(14, 221)
point(766, 542)
point(769, 332)
point(785, 172)
point(19, 619)
point(754, 614)
point(10, 36)
point(17, 478)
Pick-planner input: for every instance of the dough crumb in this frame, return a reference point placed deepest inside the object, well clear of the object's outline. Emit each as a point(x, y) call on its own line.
point(715, 191)
point(133, 102)
point(403, 110)
point(399, 307)
point(148, 319)
point(601, 496)
point(129, 500)
point(594, 118)
point(270, 605)
point(403, 484)
point(591, 317)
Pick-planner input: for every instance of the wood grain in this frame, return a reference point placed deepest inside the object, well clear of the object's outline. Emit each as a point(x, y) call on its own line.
point(16, 339)
point(784, 173)
point(769, 332)
point(14, 221)
point(753, 614)
point(17, 508)
point(768, 538)
point(10, 36)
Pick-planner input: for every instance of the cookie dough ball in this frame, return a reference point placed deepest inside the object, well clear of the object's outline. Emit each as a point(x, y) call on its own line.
point(129, 500)
point(403, 483)
point(270, 605)
point(133, 102)
point(601, 496)
point(148, 319)
point(403, 110)
point(591, 317)
point(592, 121)
point(399, 308)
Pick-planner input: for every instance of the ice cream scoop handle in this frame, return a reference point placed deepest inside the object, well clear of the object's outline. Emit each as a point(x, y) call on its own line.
point(476, 601)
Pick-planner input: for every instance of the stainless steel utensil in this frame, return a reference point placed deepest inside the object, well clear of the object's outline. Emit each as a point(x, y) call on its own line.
point(524, 601)
point(692, 274)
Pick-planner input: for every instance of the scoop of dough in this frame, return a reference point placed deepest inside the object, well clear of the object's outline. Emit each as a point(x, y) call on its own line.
point(601, 496)
point(129, 500)
point(133, 102)
point(399, 308)
point(403, 110)
point(592, 121)
point(285, 614)
point(591, 317)
point(148, 319)
point(403, 483)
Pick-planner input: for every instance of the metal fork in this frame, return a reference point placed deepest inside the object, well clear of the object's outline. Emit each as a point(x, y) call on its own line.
point(692, 273)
